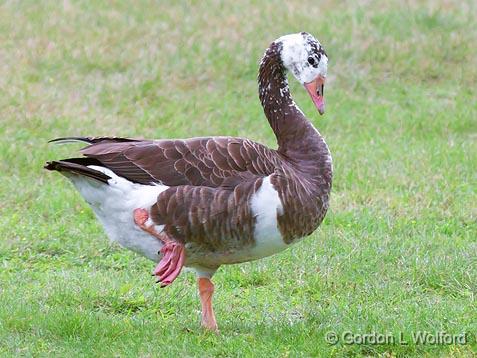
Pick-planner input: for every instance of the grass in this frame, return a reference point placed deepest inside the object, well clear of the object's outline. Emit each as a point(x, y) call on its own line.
point(396, 253)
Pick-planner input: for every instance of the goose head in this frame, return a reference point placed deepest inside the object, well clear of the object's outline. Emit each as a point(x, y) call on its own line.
point(306, 59)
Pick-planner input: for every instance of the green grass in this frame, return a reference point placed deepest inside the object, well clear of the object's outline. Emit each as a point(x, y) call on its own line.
point(396, 253)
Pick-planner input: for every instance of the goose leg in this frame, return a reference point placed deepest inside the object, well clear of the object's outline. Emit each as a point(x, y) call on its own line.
point(206, 290)
point(173, 253)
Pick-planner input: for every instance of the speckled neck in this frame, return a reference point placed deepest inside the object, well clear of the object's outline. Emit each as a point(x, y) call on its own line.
point(274, 94)
point(297, 138)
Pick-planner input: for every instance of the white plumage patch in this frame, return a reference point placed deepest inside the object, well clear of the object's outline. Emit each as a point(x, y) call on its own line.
point(266, 206)
point(295, 52)
point(114, 205)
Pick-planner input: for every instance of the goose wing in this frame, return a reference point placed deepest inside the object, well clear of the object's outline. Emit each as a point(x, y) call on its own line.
point(208, 161)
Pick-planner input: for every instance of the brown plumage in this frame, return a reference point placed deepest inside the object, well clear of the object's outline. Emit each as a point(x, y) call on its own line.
point(210, 189)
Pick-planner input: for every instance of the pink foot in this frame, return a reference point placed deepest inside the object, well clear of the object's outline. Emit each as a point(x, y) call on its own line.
point(140, 217)
point(171, 263)
point(173, 253)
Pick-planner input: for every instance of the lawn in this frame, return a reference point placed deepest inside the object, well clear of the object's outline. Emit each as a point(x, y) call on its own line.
point(397, 252)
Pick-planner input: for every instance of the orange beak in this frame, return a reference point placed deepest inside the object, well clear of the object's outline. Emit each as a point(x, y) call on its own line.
point(315, 89)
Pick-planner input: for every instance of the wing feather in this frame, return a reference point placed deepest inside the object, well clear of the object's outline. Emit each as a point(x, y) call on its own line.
point(208, 161)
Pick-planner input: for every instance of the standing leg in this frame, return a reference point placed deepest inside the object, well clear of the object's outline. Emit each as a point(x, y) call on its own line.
point(206, 290)
point(173, 252)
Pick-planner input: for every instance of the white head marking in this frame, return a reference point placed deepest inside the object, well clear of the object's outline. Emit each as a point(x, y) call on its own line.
point(303, 56)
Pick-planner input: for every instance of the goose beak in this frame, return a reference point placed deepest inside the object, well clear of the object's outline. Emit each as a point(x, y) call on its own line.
point(315, 89)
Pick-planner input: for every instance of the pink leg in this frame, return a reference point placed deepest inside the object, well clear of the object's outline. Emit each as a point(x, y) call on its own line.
point(173, 253)
point(206, 290)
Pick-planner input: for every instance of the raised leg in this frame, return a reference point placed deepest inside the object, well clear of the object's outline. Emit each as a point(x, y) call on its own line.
point(206, 290)
point(173, 253)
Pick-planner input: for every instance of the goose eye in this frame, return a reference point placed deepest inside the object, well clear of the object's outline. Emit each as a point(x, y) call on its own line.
point(311, 60)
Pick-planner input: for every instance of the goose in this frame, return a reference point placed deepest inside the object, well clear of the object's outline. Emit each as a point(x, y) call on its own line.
point(210, 201)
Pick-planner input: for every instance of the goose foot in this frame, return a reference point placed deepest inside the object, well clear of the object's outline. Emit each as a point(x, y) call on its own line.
point(173, 253)
point(206, 290)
